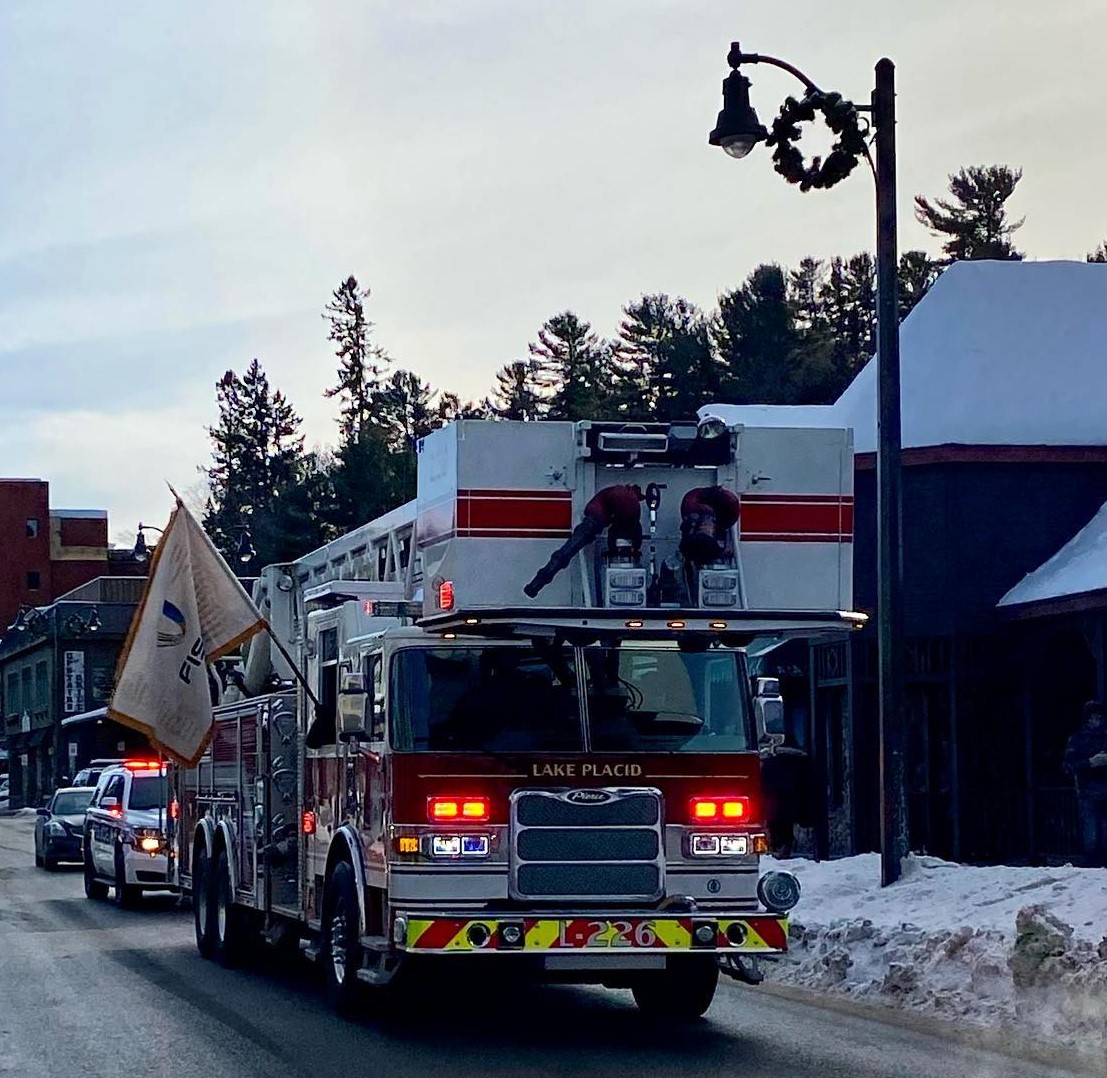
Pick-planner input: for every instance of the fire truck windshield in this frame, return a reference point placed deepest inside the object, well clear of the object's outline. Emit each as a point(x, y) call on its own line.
point(487, 699)
point(520, 699)
point(664, 700)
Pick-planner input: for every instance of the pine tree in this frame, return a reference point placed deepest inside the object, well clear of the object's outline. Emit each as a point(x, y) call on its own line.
point(756, 335)
point(848, 299)
point(1099, 254)
point(664, 364)
point(575, 367)
point(361, 363)
point(974, 217)
point(917, 274)
point(257, 459)
point(518, 392)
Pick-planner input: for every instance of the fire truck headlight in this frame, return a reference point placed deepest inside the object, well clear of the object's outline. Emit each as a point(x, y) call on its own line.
point(778, 891)
point(511, 934)
point(474, 845)
point(705, 845)
point(446, 845)
point(733, 845)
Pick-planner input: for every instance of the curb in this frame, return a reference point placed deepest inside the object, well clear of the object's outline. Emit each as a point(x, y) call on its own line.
point(1002, 1041)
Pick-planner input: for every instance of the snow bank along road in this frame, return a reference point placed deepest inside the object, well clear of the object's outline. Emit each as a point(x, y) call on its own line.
point(89, 990)
point(1019, 949)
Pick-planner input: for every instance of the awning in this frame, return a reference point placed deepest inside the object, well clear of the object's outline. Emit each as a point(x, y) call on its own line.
point(88, 716)
point(1072, 581)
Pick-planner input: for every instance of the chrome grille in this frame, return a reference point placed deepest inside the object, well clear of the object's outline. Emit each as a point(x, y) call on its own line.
point(581, 845)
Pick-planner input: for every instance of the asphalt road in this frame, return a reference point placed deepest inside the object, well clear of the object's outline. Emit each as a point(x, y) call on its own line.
point(87, 989)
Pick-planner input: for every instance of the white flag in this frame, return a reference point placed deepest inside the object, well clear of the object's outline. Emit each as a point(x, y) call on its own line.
point(192, 611)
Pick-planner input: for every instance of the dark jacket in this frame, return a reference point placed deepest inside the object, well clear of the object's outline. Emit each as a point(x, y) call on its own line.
point(1083, 745)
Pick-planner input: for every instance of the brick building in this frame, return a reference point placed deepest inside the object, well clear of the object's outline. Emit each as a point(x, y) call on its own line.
point(47, 552)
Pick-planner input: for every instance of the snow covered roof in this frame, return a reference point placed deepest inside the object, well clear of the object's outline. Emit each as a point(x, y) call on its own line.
point(997, 353)
point(1079, 567)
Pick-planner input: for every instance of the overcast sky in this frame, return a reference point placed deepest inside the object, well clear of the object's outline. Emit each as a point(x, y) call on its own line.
point(182, 185)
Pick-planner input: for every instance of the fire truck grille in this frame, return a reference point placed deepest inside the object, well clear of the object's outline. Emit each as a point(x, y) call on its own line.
point(587, 845)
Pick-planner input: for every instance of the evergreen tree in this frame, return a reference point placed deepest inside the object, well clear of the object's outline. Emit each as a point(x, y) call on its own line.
point(917, 273)
point(575, 367)
point(848, 299)
point(518, 392)
point(756, 335)
point(1099, 254)
point(664, 365)
point(361, 363)
point(973, 219)
point(257, 459)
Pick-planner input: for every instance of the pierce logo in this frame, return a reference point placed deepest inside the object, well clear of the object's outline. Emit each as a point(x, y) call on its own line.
point(588, 797)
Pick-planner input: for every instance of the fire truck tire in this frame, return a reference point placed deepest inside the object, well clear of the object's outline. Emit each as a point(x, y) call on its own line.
point(95, 889)
point(342, 955)
point(202, 918)
point(230, 930)
point(682, 992)
point(126, 895)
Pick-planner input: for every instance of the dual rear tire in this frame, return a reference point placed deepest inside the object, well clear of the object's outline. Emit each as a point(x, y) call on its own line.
point(222, 929)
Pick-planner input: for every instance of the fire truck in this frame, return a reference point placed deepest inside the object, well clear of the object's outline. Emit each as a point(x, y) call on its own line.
point(525, 730)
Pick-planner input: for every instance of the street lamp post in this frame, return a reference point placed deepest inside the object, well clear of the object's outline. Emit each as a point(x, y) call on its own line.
point(737, 132)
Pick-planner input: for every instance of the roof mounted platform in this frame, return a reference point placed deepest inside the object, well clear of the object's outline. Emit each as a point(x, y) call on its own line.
point(735, 628)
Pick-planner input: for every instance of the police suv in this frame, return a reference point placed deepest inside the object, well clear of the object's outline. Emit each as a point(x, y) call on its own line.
point(126, 829)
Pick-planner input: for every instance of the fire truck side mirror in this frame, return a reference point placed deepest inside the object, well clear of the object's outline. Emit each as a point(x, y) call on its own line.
point(768, 707)
point(352, 700)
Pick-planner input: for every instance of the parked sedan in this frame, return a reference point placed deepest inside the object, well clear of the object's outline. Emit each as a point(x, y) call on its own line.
point(60, 827)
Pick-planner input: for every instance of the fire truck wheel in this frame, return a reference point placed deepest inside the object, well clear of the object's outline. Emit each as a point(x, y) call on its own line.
point(94, 888)
point(680, 993)
point(229, 927)
point(341, 950)
point(201, 903)
point(126, 894)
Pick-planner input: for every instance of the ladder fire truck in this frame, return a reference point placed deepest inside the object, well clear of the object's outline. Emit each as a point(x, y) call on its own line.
point(527, 732)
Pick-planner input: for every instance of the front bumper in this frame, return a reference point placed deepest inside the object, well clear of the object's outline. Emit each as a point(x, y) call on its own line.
point(146, 870)
point(63, 848)
point(591, 933)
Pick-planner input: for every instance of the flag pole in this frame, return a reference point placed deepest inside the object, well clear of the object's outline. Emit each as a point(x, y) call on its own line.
point(292, 665)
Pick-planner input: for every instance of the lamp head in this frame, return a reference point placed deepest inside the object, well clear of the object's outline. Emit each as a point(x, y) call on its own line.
point(737, 129)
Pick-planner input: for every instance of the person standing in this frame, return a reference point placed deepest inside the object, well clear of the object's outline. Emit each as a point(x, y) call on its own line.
point(1086, 760)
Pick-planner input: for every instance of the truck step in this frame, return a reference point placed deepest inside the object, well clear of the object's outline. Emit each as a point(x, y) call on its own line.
point(310, 950)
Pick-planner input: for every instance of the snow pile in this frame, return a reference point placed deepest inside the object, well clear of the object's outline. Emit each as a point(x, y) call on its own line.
point(1024, 947)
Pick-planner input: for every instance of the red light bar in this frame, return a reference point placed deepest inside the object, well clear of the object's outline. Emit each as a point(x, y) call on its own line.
point(142, 765)
point(718, 809)
point(462, 809)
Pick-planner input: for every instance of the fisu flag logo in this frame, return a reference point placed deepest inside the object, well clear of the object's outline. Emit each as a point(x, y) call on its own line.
point(173, 627)
point(193, 610)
